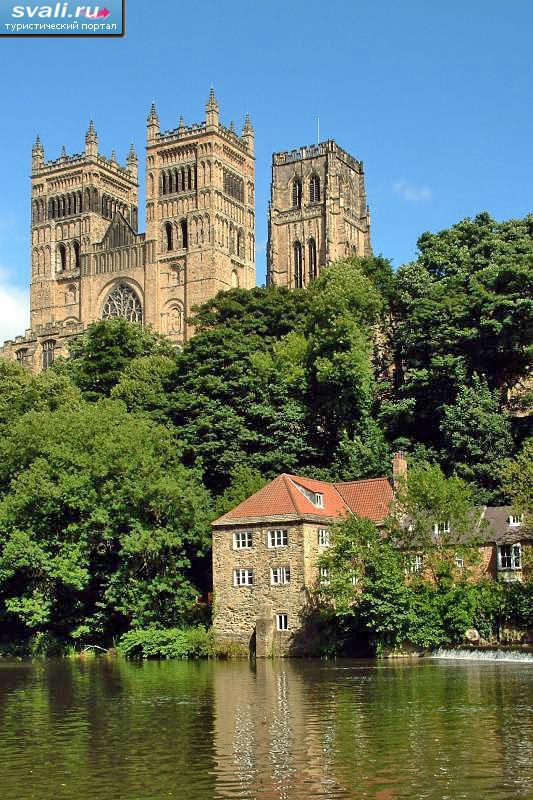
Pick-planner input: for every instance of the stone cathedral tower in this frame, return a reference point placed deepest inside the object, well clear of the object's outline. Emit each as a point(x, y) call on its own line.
point(317, 214)
point(88, 260)
point(200, 219)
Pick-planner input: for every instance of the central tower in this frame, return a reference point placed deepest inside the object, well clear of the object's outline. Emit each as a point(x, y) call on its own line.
point(318, 212)
point(200, 221)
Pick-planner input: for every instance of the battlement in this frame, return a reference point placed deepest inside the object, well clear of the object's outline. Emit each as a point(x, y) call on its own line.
point(78, 160)
point(315, 151)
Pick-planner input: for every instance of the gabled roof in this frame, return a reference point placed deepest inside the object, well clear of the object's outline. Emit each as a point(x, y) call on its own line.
point(498, 529)
point(283, 498)
point(119, 232)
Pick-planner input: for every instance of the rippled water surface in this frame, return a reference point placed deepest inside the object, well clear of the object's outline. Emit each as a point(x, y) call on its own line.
point(291, 730)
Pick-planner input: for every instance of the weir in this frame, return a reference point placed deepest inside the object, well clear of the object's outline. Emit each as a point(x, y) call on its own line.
point(483, 655)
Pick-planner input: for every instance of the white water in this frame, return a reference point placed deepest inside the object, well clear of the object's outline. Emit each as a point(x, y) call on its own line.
point(484, 655)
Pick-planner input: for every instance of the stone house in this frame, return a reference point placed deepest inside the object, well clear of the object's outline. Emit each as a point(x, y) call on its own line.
point(266, 553)
point(266, 550)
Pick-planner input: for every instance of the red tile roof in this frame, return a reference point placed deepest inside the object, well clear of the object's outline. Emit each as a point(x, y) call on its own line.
point(282, 497)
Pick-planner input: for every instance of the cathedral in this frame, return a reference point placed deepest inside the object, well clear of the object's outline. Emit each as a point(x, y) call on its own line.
point(89, 261)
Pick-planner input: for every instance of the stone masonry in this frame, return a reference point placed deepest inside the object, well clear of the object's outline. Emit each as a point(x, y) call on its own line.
point(88, 260)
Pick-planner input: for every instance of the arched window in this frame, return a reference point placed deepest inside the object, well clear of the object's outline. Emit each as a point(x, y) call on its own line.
point(314, 189)
point(168, 234)
point(61, 257)
point(296, 193)
point(48, 353)
point(184, 234)
point(189, 178)
point(123, 302)
point(175, 319)
point(312, 259)
point(298, 271)
point(77, 260)
point(22, 355)
point(234, 279)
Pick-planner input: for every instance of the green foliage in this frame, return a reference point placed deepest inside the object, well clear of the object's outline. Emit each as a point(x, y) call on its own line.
point(426, 499)
point(108, 460)
point(478, 438)
point(98, 357)
point(368, 592)
point(517, 482)
point(166, 643)
point(244, 483)
point(101, 527)
point(463, 308)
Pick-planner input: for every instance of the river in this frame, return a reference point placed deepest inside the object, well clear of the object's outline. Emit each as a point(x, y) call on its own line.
point(283, 730)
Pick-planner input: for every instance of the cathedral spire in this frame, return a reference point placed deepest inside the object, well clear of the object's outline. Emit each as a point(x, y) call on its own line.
point(91, 140)
point(211, 109)
point(153, 127)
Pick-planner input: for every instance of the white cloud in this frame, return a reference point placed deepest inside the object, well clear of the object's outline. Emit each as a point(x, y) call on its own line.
point(14, 308)
point(411, 193)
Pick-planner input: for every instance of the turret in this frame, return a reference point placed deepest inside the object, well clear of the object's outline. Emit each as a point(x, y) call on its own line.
point(91, 141)
point(248, 135)
point(37, 155)
point(132, 161)
point(211, 110)
point(153, 127)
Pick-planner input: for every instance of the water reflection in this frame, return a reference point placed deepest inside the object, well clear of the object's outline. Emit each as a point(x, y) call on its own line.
point(271, 731)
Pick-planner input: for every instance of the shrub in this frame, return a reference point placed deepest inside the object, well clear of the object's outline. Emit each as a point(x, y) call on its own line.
point(166, 643)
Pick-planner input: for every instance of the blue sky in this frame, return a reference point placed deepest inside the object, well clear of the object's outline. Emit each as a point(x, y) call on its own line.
point(435, 98)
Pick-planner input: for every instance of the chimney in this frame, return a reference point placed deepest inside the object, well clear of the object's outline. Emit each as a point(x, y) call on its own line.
point(399, 469)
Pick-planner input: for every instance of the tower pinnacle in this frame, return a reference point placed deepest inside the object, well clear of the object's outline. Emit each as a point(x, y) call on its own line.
point(211, 109)
point(248, 134)
point(152, 124)
point(91, 140)
point(37, 154)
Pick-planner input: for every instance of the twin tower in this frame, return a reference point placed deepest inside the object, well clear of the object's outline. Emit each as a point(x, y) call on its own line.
point(89, 261)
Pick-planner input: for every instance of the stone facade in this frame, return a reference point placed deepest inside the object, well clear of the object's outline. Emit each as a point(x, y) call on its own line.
point(318, 212)
point(266, 555)
point(248, 614)
point(90, 262)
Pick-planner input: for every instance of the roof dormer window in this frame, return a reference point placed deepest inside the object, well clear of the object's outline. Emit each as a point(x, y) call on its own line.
point(514, 520)
point(319, 500)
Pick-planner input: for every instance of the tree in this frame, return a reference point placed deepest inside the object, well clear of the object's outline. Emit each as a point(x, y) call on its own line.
point(517, 483)
point(101, 527)
point(98, 357)
point(22, 391)
point(436, 517)
point(463, 308)
point(478, 438)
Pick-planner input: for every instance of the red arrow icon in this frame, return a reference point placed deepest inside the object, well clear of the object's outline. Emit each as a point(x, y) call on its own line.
point(103, 13)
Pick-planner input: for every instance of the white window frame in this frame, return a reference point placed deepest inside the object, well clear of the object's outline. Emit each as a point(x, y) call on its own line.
point(319, 500)
point(282, 622)
point(243, 576)
point(354, 580)
point(323, 537)
point(281, 534)
point(324, 576)
point(439, 528)
point(416, 564)
point(515, 520)
point(239, 536)
point(459, 562)
point(280, 576)
point(514, 556)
